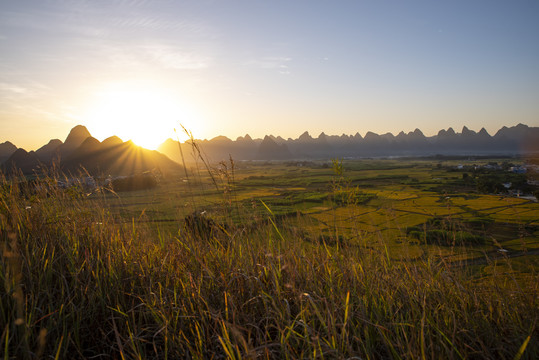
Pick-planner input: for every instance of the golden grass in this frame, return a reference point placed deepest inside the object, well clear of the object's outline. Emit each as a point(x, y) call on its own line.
point(79, 281)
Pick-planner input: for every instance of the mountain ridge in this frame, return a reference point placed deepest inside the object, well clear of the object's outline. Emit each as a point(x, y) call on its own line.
point(513, 140)
point(81, 150)
point(82, 153)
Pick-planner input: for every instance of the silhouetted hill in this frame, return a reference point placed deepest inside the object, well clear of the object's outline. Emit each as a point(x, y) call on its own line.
point(89, 147)
point(82, 152)
point(76, 137)
point(514, 133)
point(507, 141)
point(171, 149)
point(307, 146)
point(114, 158)
point(270, 150)
point(216, 149)
point(6, 150)
point(111, 141)
point(21, 160)
point(245, 147)
point(520, 138)
point(51, 151)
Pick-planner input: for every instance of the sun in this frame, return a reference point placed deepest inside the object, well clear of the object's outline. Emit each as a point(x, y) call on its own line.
point(147, 116)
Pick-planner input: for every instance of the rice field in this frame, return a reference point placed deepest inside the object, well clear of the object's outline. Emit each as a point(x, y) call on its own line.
point(273, 261)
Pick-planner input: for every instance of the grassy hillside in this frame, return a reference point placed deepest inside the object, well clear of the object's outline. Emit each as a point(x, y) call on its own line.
point(367, 259)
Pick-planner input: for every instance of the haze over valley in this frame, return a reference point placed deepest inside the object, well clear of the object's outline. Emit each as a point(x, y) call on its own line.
point(113, 156)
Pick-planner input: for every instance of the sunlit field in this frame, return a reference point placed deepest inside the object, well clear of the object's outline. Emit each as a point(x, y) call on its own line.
point(365, 259)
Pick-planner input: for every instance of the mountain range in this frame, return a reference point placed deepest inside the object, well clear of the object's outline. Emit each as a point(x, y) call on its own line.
point(519, 139)
point(82, 152)
point(116, 157)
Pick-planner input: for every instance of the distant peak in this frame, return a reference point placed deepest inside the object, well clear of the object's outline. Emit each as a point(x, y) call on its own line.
point(77, 135)
point(220, 138)
point(371, 135)
point(112, 140)
point(466, 131)
point(19, 152)
point(79, 130)
point(305, 136)
point(89, 143)
point(55, 142)
point(7, 148)
point(483, 131)
point(247, 137)
point(450, 131)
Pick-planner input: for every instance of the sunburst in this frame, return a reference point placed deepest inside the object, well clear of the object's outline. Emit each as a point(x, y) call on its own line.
point(147, 116)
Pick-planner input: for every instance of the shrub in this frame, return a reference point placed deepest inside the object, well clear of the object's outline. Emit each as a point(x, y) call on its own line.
point(133, 183)
point(447, 238)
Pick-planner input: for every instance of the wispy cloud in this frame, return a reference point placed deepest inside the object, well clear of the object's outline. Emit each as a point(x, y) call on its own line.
point(172, 57)
point(25, 98)
point(278, 63)
point(21, 90)
point(92, 22)
point(127, 36)
point(187, 28)
point(12, 88)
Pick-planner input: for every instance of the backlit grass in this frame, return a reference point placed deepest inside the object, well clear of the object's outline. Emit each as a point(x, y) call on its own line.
point(82, 279)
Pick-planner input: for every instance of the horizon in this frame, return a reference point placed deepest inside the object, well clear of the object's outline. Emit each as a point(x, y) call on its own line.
point(314, 136)
point(139, 69)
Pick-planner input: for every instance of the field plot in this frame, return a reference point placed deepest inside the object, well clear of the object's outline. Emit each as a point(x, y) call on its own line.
point(371, 199)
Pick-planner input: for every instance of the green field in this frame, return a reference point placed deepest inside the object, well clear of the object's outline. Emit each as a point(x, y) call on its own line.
point(323, 259)
point(368, 200)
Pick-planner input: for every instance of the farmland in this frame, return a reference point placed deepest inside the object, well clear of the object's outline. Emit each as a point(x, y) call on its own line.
point(366, 201)
point(377, 258)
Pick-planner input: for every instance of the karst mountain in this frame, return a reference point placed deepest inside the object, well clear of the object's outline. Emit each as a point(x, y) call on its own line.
point(82, 153)
point(112, 156)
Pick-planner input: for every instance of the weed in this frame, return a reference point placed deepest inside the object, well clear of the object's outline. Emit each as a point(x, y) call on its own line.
point(80, 281)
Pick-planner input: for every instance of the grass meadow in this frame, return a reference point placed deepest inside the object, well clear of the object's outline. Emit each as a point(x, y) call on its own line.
point(370, 259)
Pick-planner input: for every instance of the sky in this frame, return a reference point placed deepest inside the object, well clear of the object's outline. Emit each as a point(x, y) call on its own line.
point(140, 69)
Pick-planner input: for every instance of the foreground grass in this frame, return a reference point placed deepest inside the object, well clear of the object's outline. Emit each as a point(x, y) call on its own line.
point(78, 283)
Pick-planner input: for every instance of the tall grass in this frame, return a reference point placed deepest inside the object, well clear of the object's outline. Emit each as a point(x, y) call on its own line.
point(79, 283)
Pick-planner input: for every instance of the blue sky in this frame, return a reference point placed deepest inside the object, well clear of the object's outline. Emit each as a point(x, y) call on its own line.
point(139, 68)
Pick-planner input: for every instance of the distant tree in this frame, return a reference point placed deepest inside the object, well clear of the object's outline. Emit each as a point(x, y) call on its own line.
point(506, 165)
point(489, 184)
